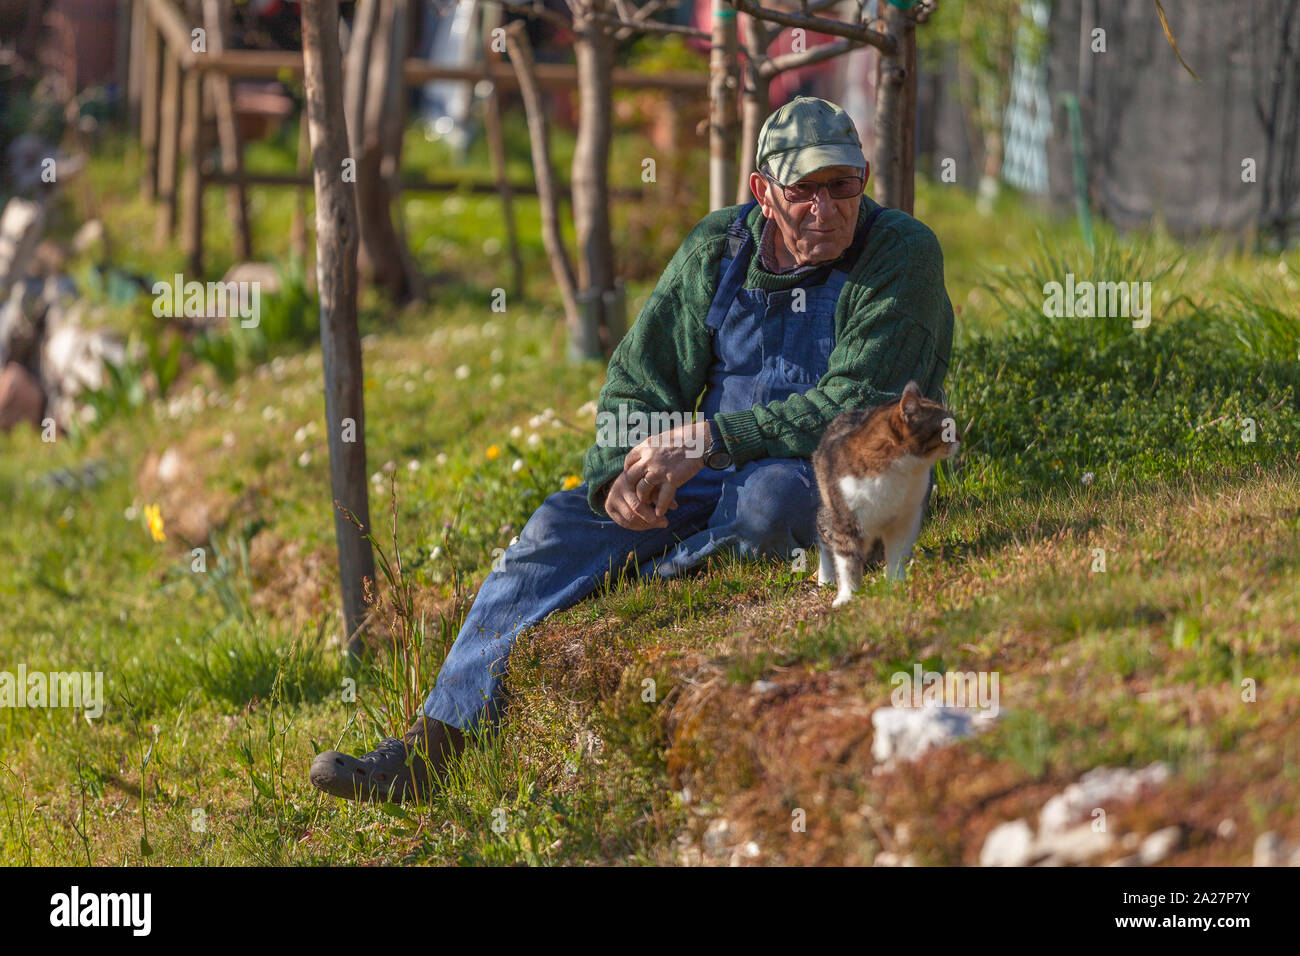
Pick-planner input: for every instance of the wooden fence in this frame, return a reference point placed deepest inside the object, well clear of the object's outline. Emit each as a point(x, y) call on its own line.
point(179, 89)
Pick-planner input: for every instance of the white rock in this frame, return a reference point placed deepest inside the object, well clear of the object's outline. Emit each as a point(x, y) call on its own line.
point(1097, 788)
point(1160, 844)
point(905, 733)
point(1269, 849)
point(169, 466)
point(1008, 844)
point(1075, 845)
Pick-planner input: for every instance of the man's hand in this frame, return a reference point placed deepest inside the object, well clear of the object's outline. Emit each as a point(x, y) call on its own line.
point(628, 510)
point(652, 473)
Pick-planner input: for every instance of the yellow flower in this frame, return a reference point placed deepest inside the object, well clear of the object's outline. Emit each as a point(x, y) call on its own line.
point(153, 517)
point(492, 452)
point(572, 482)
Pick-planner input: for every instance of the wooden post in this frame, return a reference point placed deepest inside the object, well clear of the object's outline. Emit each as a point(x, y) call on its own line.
point(336, 278)
point(169, 111)
point(722, 106)
point(135, 59)
point(151, 71)
point(215, 20)
point(193, 191)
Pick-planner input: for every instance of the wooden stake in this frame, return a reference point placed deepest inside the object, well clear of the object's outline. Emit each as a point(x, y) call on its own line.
point(215, 20)
point(169, 113)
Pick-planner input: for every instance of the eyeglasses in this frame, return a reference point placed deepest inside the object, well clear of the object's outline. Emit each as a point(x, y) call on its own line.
point(802, 192)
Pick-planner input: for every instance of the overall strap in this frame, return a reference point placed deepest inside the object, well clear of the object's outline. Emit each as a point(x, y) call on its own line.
point(734, 266)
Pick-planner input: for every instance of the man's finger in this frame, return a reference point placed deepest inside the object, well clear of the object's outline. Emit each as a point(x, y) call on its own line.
point(667, 499)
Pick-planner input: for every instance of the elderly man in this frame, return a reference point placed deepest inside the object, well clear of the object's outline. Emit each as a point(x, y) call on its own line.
point(770, 320)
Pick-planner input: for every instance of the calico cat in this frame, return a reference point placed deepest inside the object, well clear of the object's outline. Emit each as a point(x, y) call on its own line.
point(872, 470)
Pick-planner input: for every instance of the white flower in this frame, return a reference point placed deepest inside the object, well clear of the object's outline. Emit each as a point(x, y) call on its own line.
point(496, 355)
point(534, 440)
point(1087, 478)
point(228, 440)
point(412, 465)
point(436, 553)
point(408, 386)
point(442, 458)
point(376, 479)
point(588, 409)
point(516, 432)
point(497, 380)
point(389, 467)
point(304, 459)
point(517, 466)
point(300, 435)
point(462, 371)
point(491, 246)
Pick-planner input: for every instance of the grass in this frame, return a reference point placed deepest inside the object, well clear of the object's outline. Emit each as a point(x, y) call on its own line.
point(644, 719)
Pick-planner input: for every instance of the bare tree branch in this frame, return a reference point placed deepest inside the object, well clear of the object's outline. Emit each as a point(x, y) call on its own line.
point(839, 28)
point(537, 11)
point(789, 61)
point(626, 28)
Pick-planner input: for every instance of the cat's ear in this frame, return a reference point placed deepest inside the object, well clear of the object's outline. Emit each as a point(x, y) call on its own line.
point(910, 403)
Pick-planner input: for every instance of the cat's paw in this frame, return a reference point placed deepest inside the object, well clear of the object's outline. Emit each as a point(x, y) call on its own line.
point(842, 599)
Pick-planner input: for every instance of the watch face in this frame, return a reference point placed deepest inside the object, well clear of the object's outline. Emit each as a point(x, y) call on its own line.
point(717, 460)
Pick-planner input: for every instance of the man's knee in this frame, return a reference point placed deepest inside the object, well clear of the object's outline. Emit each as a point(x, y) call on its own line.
point(776, 508)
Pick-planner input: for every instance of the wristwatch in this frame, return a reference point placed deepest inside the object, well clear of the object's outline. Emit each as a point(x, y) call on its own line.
point(716, 456)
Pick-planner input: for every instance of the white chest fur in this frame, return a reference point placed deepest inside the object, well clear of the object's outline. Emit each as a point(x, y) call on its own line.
point(892, 498)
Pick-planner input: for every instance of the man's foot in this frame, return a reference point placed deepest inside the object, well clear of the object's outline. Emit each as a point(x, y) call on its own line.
point(384, 774)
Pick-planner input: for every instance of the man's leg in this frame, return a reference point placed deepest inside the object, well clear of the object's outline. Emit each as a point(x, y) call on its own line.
point(562, 555)
point(767, 508)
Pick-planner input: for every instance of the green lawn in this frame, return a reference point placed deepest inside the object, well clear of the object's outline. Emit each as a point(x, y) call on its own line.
point(637, 731)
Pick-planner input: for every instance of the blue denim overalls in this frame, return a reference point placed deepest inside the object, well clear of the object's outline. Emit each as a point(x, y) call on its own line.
point(767, 346)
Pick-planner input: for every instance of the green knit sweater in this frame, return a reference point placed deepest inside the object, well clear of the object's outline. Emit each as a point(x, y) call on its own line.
point(893, 323)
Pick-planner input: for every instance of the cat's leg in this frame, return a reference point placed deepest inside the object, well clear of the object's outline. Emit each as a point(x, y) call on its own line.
point(899, 541)
point(848, 571)
point(825, 567)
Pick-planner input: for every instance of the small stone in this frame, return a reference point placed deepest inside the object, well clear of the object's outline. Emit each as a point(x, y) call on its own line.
point(1008, 844)
point(1269, 849)
point(1075, 845)
point(905, 733)
point(1160, 844)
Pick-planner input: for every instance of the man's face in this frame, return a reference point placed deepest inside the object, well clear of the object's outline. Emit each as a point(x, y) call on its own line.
point(816, 231)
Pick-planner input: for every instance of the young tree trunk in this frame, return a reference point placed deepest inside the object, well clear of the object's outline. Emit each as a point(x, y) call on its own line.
point(894, 164)
point(755, 104)
point(521, 58)
point(722, 106)
point(336, 277)
point(371, 96)
point(594, 52)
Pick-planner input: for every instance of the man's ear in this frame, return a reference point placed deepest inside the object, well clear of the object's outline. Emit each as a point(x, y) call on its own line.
point(759, 187)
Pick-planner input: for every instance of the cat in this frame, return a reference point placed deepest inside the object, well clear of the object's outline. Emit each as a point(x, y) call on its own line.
point(872, 469)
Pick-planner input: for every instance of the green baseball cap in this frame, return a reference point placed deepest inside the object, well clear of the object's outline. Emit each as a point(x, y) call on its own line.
point(805, 135)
